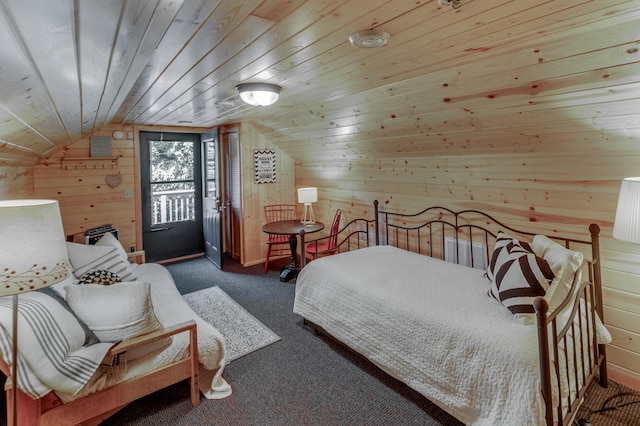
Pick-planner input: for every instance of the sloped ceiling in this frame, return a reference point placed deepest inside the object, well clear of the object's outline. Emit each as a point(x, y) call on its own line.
point(489, 72)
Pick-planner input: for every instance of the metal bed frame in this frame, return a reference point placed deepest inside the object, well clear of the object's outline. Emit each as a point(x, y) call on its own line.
point(426, 232)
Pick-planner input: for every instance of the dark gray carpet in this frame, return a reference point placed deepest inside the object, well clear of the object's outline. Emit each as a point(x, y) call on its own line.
point(628, 413)
point(300, 380)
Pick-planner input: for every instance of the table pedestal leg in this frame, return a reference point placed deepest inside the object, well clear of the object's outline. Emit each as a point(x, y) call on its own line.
point(291, 270)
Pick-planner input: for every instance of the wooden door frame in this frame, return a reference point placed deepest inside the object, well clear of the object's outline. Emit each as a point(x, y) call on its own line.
point(226, 215)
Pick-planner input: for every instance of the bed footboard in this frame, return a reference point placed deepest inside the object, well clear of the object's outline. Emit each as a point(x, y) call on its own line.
point(570, 355)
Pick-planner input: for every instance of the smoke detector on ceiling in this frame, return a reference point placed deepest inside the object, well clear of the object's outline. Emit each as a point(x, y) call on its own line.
point(369, 39)
point(453, 3)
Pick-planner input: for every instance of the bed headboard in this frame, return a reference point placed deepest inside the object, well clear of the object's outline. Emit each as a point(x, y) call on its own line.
point(465, 236)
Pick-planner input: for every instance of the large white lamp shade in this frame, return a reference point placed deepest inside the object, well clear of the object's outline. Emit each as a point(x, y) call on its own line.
point(33, 252)
point(627, 222)
point(33, 255)
point(307, 196)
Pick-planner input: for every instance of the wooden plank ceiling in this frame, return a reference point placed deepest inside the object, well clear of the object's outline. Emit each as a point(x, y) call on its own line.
point(489, 72)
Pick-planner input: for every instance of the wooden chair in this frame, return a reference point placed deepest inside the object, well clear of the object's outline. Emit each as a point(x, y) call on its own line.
point(327, 245)
point(278, 245)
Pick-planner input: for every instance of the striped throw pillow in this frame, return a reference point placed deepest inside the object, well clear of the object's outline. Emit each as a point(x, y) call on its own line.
point(519, 277)
point(85, 258)
point(504, 243)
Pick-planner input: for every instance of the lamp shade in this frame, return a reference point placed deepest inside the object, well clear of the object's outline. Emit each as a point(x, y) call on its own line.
point(627, 222)
point(33, 252)
point(307, 195)
point(258, 94)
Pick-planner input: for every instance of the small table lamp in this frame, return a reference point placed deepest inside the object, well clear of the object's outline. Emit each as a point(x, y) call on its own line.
point(308, 196)
point(33, 255)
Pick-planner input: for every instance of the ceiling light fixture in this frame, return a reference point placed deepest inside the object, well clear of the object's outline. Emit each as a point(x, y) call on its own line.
point(453, 3)
point(369, 39)
point(258, 94)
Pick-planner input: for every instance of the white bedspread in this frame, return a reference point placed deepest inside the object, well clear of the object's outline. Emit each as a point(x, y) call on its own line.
point(461, 349)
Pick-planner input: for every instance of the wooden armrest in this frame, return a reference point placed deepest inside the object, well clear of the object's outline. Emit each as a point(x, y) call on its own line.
point(144, 339)
point(136, 256)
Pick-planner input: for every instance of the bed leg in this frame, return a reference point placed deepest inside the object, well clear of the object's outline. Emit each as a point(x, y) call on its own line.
point(604, 376)
point(195, 367)
point(29, 409)
point(313, 329)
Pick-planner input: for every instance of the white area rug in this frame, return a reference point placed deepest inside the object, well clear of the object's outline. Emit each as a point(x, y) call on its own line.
point(242, 331)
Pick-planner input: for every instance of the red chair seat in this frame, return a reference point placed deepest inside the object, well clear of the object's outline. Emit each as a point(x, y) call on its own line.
point(330, 245)
point(322, 247)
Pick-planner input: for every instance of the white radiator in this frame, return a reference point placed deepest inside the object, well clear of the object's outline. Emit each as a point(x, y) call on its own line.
point(464, 251)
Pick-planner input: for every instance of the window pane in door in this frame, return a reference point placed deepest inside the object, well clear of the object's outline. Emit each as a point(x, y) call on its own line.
point(210, 157)
point(172, 182)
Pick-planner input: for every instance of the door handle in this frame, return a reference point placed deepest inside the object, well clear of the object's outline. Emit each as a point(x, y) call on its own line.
point(158, 229)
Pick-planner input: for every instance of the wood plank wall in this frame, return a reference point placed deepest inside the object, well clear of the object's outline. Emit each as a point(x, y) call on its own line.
point(562, 190)
point(255, 195)
point(16, 183)
point(86, 200)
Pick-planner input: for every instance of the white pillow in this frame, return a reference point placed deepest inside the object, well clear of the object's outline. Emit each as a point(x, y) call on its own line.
point(115, 312)
point(109, 240)
point(564, 264)
point(60, 286)
point(86, 258)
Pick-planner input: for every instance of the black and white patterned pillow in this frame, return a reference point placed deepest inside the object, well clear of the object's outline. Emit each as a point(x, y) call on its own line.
point(519, 277)
point(100, 276)
point(504, 243)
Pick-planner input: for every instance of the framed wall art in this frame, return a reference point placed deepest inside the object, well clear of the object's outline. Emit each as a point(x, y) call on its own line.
point(264, 161)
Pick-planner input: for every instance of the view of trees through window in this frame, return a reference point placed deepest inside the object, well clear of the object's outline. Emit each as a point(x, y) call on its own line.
point(172, 181)
point(171, 165)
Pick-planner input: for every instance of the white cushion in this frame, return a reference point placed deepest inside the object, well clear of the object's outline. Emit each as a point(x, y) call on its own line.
point(564, 263)
point(116, 312)
point(86, 258)
point(109, 240)
point(60, 286)
point(519, 277)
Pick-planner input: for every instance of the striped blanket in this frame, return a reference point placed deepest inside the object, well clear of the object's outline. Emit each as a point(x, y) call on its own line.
point(51, 345)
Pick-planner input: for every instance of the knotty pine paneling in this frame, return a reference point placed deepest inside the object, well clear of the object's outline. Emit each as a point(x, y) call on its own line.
point(86, 200)
point(16, 183)
point(256, 196)
point(562, 191)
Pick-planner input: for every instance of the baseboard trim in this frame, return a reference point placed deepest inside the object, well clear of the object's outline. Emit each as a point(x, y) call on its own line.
point(179, 259)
